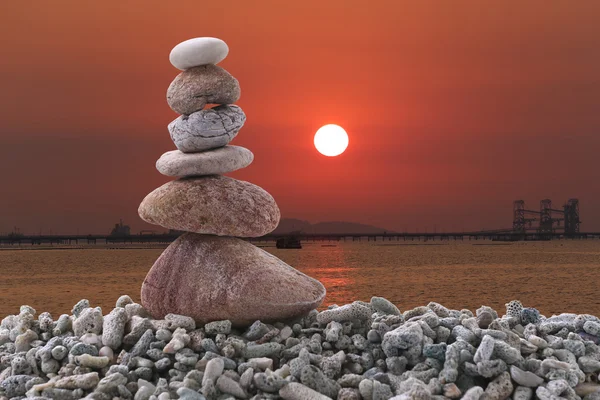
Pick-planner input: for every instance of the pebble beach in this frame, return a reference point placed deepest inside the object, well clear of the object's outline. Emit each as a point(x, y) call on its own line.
point(362, 350)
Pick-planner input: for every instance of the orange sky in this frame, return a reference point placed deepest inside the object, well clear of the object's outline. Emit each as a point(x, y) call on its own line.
point(454, 109)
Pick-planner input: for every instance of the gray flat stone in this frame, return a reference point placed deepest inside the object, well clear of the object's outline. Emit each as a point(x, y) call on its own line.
point(214, 162)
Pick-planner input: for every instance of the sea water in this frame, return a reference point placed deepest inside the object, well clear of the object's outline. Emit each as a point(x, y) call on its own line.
point(555, 277)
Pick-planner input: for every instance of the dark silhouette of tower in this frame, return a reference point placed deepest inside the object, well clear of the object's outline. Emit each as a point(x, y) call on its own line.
point(545, 216)
point(120, 229)
point(519, 216)
point(571, 212)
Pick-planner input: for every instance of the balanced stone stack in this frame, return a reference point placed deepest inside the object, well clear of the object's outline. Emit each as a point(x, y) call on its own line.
point(208, 273)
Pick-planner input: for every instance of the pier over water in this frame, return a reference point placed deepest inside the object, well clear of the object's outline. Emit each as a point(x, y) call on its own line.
point(500, 235)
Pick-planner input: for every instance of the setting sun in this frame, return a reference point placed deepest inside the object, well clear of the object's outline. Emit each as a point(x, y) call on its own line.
point(331, 140)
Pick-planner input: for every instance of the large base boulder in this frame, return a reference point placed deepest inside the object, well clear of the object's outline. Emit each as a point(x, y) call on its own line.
point(212, 278)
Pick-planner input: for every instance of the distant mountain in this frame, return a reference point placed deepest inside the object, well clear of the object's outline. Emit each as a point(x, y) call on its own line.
point(288, 225)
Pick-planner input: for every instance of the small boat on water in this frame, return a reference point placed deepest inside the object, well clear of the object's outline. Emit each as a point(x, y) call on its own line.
point(288, 242)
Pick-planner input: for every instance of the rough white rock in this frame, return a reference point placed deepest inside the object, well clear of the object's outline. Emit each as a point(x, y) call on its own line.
point(297, 391)
point(83, 381)
point(214, 369)
point(522, 393)
point(207, 129)
point(227, 385)
point(473, 394)
point(537, 341)
point(485, 350)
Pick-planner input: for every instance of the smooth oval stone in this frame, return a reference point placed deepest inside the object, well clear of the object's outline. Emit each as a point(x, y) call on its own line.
point(214, 162)
point(207, 129)
point(198, 51)
point(525, 378)
point(196, 87)
point(213, 205)
point(211, 278)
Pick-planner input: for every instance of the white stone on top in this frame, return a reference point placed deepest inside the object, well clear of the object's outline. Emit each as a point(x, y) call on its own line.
point(198, 51)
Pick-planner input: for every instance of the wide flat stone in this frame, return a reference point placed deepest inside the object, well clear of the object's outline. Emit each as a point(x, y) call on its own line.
point(211, 278)
point(196, 87)
point(207, 129)
point(213, 205)
point(213, 162)
point(198, 51)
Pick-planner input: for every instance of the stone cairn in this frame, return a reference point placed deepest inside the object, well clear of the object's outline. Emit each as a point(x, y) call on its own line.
point(208, 273)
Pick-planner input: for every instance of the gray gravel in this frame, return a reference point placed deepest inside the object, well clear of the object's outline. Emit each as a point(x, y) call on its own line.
point(364, 350)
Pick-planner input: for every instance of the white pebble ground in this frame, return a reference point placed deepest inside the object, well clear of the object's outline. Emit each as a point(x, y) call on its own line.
point(358, 351)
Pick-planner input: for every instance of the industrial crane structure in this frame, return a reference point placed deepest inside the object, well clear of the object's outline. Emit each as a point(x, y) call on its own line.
point(548, 219)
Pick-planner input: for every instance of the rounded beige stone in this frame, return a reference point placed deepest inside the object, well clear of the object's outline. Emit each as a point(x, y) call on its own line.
point(213, 205)
point(211, 278)
point(196, 87)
